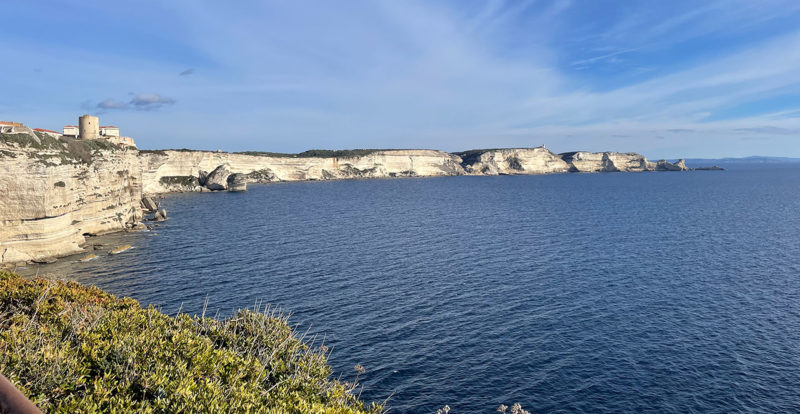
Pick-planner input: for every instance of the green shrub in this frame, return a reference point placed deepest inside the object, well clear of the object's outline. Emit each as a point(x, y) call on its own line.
point(72, 348)
point(53, 151)
point(316, 153)
point(157, 152)
point(181, 180)
point(38, 141)
point(82, 150)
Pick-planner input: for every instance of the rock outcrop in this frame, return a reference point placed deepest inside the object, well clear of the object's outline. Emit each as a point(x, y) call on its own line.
point(237, 182)
point(160, 215)
point(218, 179)
point(512, 161)
point(55, 192)
point(149, 204)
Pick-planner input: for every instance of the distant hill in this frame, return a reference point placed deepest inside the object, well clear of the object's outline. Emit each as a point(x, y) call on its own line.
point(743, 161)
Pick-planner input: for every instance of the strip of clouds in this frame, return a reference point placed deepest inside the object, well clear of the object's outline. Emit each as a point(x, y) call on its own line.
point(420, 53)
point(140, 102)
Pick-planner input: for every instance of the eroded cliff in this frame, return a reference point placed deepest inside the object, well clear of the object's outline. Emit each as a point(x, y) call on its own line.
point(512, 161)
point(542, 161)
point(166, 171)
point(56, 191)
point(581, 161)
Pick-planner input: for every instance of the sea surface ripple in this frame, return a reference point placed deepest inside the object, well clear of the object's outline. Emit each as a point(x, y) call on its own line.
point(601, 293)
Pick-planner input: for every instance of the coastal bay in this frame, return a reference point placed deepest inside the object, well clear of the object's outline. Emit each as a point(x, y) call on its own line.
point(58, 191)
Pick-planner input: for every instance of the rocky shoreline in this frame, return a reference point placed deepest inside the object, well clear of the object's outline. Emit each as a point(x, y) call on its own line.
point(56, 193)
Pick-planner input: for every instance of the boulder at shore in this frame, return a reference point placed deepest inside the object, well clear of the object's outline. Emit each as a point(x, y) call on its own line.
point(237, 182)
point(217, 180)
point(149, 204)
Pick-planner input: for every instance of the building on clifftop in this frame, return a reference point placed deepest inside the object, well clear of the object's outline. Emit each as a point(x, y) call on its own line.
point(71, 131)
point(7, 127)
point(109, 131)
point(89, 127)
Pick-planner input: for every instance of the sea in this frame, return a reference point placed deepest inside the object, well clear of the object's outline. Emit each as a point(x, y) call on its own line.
point(672, 292)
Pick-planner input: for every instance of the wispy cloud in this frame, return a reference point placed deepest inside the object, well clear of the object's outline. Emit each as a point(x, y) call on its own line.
point(148, 101)
point(141, 102)
point(112, 104)
point(451, 75)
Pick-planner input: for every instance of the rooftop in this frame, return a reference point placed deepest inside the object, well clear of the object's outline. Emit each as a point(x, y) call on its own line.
point(46, 130)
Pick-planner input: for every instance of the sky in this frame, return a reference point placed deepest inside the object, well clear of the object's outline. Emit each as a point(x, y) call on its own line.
point(668, 79)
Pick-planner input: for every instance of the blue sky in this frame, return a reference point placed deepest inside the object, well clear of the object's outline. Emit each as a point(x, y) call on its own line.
point(664, 78)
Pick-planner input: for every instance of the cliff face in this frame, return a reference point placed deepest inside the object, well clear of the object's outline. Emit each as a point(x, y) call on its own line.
point(54, 192)
point(617, 161)
point(542, 161)
point(513, 161)
point(165, 171)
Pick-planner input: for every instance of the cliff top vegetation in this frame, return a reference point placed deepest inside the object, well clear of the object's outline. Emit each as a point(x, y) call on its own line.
point(318, 153)
point(48, 149)
point(471, 156)
point(314, 153)
point(71, 348)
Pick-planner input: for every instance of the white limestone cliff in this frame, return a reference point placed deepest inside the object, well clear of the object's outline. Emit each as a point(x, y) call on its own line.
point(542, 161)
point(51, 195)
point(582, 161)
point(513, 161)
point(162, 169)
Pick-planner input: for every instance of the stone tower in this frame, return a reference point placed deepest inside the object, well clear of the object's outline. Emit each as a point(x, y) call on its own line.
point(88, 127)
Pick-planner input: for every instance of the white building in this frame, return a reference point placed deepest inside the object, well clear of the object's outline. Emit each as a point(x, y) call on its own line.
point(109, 131)
point(12, 127)
point(71, 130)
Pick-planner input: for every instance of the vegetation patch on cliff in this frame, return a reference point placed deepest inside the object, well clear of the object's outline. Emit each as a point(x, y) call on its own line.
point(317, 153)
point(181, 180)
point(53, 151)
point(157, 152)
point(38, 141)
point(72, 348)
point(164, 151)
point(473, 156)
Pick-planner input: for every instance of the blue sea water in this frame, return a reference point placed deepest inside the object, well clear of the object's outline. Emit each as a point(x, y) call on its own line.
point(601, 293)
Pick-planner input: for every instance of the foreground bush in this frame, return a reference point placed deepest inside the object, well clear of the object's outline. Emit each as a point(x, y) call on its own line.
point(72, 348)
